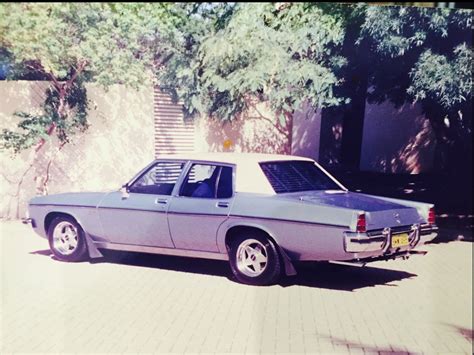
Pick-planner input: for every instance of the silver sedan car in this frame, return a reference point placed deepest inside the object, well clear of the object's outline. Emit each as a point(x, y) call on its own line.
point(260, 212)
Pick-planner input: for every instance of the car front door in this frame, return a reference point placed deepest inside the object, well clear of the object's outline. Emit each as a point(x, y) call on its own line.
point(139, 217)
point(202, 204)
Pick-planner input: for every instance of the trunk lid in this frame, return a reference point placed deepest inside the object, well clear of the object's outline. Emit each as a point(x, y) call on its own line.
point(379, 213)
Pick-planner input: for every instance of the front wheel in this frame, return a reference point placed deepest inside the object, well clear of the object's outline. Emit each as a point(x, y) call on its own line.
point(254, 260)
point(66, 239)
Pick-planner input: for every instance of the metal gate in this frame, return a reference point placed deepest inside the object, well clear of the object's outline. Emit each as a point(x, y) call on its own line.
point(173, 134)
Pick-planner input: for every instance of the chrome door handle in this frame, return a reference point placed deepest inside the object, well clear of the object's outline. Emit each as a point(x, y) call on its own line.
point(161, 201)
point(223, 204)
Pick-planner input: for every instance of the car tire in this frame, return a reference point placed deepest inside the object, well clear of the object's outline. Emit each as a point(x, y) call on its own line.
point(254, 259)
point(67, 240)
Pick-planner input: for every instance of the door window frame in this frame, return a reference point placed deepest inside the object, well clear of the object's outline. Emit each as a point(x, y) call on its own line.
point(151, 166)
point(186, 171)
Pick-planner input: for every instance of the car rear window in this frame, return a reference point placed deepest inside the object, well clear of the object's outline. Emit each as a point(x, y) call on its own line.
point(295, 176)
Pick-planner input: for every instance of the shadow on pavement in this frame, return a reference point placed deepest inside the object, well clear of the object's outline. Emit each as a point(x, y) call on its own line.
point(45, 252)
point(465, 332)
point(318, 275)
point(367, 349)
point(447, 235)
point(166, 262)
point(343, 277)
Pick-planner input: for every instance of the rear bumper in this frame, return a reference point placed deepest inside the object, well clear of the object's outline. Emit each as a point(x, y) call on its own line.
point(381, 241)
point(427, 233)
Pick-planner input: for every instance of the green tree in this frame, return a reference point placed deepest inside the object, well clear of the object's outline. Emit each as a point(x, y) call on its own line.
point(179, 70)
point(282, 55)
point(425, 55)
point(71, 44)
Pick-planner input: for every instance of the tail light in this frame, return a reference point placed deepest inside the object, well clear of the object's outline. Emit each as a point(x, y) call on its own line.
point(361, 224)
point(431, 216)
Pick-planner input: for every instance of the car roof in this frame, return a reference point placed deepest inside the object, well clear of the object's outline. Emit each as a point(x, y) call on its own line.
point(249, 175)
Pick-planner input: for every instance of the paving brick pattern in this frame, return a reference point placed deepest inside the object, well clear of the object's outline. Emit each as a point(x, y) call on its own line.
point(134, 303)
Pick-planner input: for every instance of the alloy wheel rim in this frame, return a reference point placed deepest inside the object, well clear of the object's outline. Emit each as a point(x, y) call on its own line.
point(65, 238)
point(252, 258)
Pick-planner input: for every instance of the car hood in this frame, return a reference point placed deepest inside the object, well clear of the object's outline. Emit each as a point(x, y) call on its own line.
point(82, 199)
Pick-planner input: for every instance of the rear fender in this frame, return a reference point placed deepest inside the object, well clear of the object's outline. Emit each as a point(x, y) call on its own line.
point(289, 268)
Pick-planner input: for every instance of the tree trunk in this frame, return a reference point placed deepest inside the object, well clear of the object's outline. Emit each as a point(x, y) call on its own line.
point(289, 131)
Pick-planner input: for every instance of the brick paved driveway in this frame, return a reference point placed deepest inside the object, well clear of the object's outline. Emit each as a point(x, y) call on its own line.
point(139, 303)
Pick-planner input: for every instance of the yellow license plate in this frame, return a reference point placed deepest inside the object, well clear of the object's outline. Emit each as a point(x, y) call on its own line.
point(400, 240)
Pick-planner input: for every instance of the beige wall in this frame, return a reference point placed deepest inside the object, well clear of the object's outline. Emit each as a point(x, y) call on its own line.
point(255, 131)
point(397, 140)
point(247, 133)
point(120, 141)
point(306, 133)
point(117, 144)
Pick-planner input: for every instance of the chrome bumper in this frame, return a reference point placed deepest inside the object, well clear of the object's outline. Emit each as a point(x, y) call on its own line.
point(382, 240)
point(427, 233)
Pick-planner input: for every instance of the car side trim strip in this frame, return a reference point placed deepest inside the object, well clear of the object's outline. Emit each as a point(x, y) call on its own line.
point(204, 214)
point(287, 221)
point(164, 251)
point(61, 205)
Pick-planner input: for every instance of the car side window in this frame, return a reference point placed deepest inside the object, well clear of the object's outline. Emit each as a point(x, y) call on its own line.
point(208, 181)
point(159, 179)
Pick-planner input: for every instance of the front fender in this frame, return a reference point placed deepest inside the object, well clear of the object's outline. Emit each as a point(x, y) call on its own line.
point(86, 217)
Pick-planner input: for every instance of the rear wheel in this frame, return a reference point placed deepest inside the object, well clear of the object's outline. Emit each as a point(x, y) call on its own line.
point(66, 239)
point(254, 259)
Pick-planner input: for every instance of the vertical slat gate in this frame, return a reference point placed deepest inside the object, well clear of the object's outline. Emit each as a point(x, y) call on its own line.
point(173, 134)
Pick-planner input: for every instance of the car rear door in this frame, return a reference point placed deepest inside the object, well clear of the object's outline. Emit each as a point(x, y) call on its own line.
point(140, 218)
point(201, 205)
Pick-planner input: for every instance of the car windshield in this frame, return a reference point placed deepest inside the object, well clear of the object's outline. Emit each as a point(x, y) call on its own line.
point(295, 176)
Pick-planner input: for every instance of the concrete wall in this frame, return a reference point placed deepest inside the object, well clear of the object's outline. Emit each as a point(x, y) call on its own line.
point(397, 140)
point(394, 140)
point(256, 131)
point(306, 133)
point(251, 132)
point(118, 143)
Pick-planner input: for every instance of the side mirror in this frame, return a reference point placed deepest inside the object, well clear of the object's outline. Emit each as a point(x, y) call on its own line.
point(125, 192)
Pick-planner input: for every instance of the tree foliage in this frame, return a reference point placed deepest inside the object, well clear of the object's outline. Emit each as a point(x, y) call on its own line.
point(74, 43)
point(425, 55)
point(445, 78)
point(441, 41)
point(282, 56)
point(219, 59)
point(180, 69)
point(36, 129)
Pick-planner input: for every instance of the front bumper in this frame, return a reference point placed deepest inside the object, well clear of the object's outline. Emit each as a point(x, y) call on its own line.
point(381, 240)
point(27, 220)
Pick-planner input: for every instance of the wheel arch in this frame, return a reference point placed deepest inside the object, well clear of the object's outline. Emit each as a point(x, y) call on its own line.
point(92, 251)
point(237, 228)
point(234, 230)
point(48, 219)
